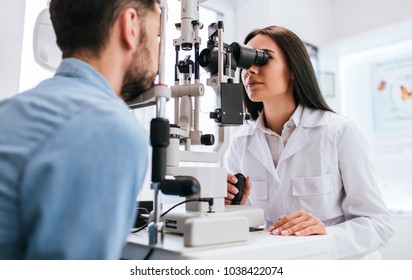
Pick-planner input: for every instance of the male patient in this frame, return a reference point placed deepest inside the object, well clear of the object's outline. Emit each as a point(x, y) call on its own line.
point(72, 156)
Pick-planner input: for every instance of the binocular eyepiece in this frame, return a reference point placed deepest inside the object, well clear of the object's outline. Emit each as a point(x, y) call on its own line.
point(243, 57)
point(246, 56)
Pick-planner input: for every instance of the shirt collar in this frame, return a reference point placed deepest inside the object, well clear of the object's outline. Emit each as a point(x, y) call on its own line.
point(297, 115)
point(77, 68)
point(295, 119)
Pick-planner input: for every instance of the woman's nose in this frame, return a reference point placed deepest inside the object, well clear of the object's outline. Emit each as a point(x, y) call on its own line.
point(251, 70)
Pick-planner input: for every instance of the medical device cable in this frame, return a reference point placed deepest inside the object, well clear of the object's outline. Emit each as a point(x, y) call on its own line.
point(209, 200)
point(151, 250)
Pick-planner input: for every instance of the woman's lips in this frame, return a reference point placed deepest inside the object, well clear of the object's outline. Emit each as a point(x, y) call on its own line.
point(253, 84)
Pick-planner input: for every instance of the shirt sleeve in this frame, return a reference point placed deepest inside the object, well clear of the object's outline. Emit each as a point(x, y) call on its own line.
point(80, 187)
point(368, 222)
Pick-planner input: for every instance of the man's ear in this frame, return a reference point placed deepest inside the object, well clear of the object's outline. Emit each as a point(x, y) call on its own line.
point(130, 28)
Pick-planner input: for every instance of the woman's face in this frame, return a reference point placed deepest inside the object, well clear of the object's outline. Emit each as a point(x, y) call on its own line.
point(269, 81)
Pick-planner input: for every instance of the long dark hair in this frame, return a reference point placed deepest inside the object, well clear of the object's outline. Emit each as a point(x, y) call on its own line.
point(306, 90)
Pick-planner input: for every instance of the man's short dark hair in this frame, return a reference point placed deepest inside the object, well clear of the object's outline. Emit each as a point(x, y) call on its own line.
point(85, 25)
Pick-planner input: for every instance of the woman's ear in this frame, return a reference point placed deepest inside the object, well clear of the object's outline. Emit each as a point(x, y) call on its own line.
point(130, 29)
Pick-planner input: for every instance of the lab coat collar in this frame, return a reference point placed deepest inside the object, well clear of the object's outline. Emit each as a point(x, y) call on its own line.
point(295, 118)
point(259, 148)
point(308, 117)
point(313, 117)
point(298, 140)
point(297, 115)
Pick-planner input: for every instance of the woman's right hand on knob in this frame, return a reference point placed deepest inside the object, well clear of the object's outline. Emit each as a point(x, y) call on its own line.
point(232, 190)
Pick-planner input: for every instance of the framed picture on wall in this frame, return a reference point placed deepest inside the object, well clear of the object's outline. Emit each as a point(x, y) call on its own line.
point(314, 57)
point(392, 103)
point(327, 84)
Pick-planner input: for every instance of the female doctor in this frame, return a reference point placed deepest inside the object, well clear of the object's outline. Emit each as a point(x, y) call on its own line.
point(305, 165)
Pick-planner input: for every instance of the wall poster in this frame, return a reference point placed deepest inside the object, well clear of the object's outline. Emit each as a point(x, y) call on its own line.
point(392, 104)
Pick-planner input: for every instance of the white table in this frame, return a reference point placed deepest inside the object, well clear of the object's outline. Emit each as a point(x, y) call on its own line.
point(260, 246)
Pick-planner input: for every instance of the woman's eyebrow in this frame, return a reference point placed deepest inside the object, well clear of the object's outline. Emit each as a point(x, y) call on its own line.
point(268, 50)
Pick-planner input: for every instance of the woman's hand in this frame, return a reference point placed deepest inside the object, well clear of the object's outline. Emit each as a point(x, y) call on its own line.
point(298, 223)
point(232, 190)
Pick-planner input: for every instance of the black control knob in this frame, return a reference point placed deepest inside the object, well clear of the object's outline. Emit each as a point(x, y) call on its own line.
point(216, 115)
point(240, 185)
point(207, 139)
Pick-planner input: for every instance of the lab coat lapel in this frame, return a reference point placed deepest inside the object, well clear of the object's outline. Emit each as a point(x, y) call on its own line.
point(299, 139)
point(259, 148)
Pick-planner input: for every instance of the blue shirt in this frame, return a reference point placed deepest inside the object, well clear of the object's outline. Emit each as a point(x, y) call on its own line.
point(72, 160)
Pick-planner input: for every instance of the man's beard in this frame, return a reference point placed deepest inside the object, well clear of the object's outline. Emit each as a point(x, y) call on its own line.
point(138, 78)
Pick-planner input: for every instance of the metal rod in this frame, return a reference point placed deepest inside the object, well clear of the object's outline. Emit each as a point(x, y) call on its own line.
point(196, 113)
point(220, 52)
point(177, 49)
point(197, 66)
point(162, 51)
point(155, 228)
point(161, 107)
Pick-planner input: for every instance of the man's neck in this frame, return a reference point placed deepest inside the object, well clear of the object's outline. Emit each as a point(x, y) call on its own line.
point(106, 65)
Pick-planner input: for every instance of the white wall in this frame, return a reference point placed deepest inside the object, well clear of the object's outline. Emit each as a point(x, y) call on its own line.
point(226, 9)
point(308, 19)
point(11, 34)
point(320, 21)
point(354, 16)
point(335, 26)
point(356, 95)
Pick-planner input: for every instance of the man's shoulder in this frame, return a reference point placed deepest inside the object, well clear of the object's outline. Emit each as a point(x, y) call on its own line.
point(35, 116)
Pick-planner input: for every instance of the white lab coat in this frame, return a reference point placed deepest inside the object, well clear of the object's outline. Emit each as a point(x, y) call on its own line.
point(325, 169)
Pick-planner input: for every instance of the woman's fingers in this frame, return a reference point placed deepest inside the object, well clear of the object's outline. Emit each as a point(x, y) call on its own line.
point(287, 218)
point(315, 229)
point(232, 190)
point(298, 223)
point(231, 178)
